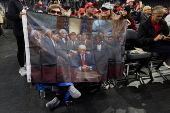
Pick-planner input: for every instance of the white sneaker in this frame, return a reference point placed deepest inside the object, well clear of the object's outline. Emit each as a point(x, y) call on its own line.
point(23, 71)
point(53, 103)
point(74, 92)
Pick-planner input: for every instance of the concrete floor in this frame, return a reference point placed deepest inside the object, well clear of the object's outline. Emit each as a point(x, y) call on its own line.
point(18, 96)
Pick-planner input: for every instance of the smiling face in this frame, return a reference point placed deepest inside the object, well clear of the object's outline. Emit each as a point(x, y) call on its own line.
point(105, 12)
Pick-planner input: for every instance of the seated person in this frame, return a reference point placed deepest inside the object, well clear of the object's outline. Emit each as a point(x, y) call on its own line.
point(83, 61)
point(153, 33)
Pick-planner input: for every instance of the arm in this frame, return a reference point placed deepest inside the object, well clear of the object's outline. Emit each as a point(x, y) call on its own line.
point(143, 37)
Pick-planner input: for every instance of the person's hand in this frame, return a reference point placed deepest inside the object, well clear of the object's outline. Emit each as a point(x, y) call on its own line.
point(22, 13)
point(74, 52)
point(88, 52)
point(69, 55)
point(85, 68)
point(159, 37)
point(128, 22)
point(167, 38)
point(61, 58)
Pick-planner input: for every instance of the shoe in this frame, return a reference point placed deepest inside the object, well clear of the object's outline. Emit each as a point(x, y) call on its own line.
point(53, 103)
point(23, 71)
point(74, 92)
point(112, 83)
point(104, 85)
point(166, 65)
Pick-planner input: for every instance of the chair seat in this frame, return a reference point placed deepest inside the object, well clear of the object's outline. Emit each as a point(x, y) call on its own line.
point(138, 56)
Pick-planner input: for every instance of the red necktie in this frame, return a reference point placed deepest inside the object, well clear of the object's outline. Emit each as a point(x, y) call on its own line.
point(82, 59)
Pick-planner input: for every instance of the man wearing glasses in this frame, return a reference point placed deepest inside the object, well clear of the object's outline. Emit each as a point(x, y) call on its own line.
point(89, 10)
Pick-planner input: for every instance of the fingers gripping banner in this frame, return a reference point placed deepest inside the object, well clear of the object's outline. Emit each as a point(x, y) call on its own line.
point(63, 49)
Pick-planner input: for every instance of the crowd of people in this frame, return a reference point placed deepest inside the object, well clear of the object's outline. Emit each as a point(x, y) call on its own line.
point(151, 23)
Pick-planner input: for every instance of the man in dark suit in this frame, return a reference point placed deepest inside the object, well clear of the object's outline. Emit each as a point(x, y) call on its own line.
point(83, 61)
point(49, 56)
point(36, 46)
point(85, 41)
point(73, 44)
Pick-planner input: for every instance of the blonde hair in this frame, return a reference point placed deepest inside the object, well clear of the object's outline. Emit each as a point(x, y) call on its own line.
point(111, 16)
point(146, 8)
point(53, 6)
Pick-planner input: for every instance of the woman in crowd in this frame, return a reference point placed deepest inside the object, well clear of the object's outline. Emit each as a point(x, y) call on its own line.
point(125, 14)
point(145, 14)
point(107, 14)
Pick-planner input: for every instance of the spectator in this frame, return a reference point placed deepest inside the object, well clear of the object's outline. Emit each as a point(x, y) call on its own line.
point(66, 10)
point(81, 12)
point(107, 12)
point(97, 13)
point(130, 3)
point(15, 13)
point(153, 33)
point(89, 10)
point(54, 10)
point(126, 15)
point(39, 8)
point(146, 14)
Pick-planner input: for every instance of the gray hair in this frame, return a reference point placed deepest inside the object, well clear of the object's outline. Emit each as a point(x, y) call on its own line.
point(158, 9)
point(61, 30)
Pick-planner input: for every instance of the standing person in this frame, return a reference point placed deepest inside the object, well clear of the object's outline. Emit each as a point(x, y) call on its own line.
point(1, 22)
point(15, 13)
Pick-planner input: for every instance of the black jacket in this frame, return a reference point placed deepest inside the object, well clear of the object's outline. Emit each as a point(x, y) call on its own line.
point(146, 33)
point(143, 17)
point(14, 9)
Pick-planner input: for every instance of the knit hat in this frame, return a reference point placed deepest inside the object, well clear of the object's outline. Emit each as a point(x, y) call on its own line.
point(127, 8)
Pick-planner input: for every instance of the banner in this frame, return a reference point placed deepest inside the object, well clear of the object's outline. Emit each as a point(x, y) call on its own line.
point(62, 49)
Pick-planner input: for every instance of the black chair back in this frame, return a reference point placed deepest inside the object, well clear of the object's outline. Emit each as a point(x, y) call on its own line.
point(131, 40)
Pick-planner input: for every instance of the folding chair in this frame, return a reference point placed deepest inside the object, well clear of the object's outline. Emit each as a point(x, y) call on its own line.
point(140, 60)
point(159, 58)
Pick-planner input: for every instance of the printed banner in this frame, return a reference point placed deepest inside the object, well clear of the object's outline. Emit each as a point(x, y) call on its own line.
point(63, 49)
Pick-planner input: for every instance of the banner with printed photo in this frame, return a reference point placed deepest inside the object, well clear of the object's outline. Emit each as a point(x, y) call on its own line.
point(63, 49)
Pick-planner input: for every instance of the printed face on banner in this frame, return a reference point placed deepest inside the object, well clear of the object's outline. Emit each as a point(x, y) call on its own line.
point(75, 50)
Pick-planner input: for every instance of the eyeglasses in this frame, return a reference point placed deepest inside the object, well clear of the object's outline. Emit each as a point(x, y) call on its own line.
point(104, 9)
point(58, 12)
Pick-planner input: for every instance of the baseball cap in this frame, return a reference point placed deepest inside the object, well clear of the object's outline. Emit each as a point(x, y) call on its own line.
point(119, 8)
point(96, 11)
point(81, 10)
point(90, 4)
point(107, 6)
